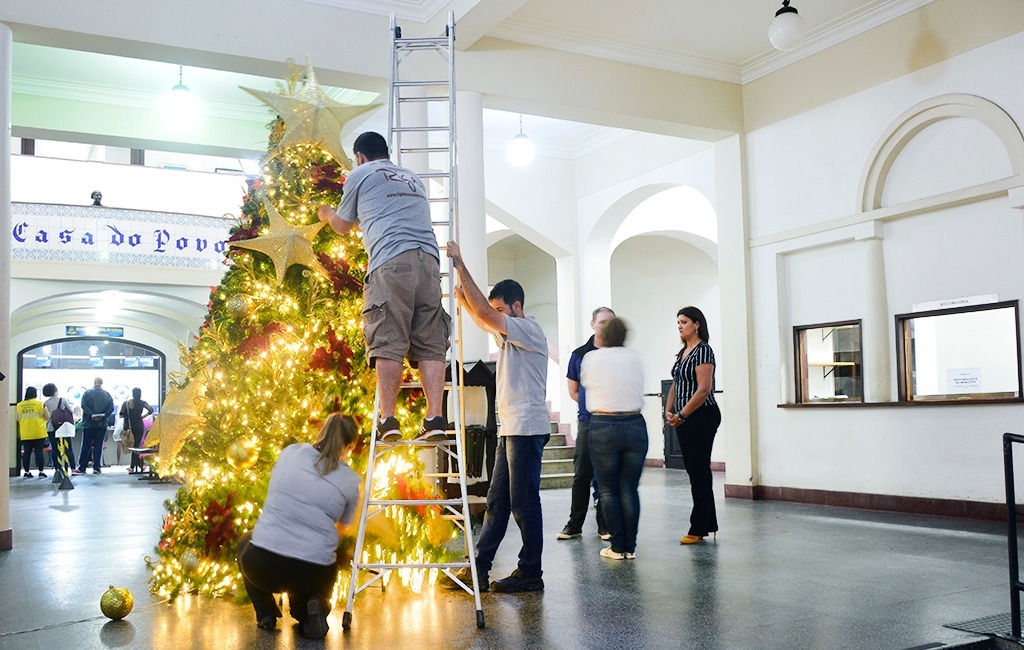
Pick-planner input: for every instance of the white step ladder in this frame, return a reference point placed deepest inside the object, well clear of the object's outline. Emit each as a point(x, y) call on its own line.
point(422, 138)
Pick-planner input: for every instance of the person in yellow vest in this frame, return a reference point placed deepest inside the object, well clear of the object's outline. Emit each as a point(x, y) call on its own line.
point(32, 417)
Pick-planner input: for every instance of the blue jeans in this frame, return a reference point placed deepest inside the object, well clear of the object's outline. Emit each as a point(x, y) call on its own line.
point(514, 490)
point(92, 448)
point(618, 446)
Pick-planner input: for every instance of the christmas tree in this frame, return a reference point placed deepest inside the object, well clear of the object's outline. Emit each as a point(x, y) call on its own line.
point(281, 348)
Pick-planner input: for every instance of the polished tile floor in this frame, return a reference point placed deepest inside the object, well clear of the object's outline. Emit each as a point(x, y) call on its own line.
point(780, 576)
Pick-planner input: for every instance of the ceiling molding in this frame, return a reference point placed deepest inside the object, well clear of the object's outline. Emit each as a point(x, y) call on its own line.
point(420, 11)
point(831, 33)
point(556, 38)
point(770, 60)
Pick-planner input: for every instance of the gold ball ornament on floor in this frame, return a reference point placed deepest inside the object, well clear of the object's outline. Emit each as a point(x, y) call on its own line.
point(116, 603)
point(238, 306)
point(242, 454)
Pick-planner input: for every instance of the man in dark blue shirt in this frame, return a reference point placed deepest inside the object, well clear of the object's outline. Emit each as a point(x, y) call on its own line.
point(97, 406)
point(583, 469)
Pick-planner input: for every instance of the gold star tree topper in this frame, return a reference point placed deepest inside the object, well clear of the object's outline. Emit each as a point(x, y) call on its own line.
point(310, 116)
point(285, 244)
point(179, 416)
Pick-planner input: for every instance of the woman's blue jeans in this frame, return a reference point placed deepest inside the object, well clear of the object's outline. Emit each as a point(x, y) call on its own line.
point(618, 447)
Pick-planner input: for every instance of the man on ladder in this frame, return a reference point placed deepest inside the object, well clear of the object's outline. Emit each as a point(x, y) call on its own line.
point(402, 311)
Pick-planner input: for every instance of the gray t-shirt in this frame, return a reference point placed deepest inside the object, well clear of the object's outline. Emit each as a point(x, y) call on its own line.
point(522, 378)
point(390, 204)
point(302, 506)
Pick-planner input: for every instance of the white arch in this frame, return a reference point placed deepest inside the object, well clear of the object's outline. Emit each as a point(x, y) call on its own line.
point(919, 117)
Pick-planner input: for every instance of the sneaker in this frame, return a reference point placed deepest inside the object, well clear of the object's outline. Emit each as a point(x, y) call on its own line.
point(433, 430)
point(316, 618)
point(388, 430)
point(604, 535)
point(608, 553)
point(630, 556)
point(97, 471)
point(568, 533)
point(27, 475)
point(516, 583)
point(466, 576)
point(77, 472)
point(42, 475)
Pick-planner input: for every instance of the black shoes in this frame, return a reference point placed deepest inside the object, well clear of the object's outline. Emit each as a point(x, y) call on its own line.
point(516, 583)
point(568, 533)
point(466, 576)
point(268, 623)
point(433, 430)
point(388, 430)
point(315, 626)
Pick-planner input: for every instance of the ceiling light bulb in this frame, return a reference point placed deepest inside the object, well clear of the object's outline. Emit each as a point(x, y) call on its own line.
point(180, 107)
point(786, 32)
point(520, 150)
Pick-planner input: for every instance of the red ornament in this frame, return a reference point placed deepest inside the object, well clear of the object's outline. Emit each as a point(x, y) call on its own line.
point(222, 525)
point(336, 357)
point(257, 343)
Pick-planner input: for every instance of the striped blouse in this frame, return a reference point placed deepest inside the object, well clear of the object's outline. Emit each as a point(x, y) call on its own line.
point(684, 375)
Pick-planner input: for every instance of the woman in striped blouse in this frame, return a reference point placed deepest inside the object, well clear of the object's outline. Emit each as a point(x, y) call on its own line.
point(691, 409)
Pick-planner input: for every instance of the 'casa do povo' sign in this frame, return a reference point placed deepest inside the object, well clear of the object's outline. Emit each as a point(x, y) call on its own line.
point(113, 235)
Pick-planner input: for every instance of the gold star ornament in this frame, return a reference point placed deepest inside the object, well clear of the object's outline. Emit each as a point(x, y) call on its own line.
point(310, 116)
point(179, 417)
point(285, 244)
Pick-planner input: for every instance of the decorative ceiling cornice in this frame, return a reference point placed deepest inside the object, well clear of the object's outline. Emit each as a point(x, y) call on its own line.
point(421, 11)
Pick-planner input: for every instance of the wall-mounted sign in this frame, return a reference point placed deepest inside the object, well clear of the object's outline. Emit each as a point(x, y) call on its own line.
point(75, 233)
point(949, 303)
point(94, 330)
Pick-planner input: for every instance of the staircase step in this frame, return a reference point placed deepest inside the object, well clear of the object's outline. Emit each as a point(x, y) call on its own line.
point(559, 452)
point(555, 481)
point(557, 440)
point(556, 466)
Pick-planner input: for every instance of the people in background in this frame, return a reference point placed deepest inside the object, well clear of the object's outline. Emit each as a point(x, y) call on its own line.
point(583, 469)
point(525, 427)
point(133, 412)
point(53, 400)
point(691, 409)
point(32, 417)
point(97, 407)
point(402, 312)
point(613, 377)
point(292, 548)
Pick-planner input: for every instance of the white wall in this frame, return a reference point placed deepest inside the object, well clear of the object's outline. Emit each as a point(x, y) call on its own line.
point(805, 172)
point(652, 277)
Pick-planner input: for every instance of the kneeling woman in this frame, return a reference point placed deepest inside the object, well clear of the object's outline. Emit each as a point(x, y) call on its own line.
point(292, 547)
point(614, 381)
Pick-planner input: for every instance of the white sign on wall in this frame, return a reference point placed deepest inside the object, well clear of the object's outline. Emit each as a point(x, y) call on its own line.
point(963, 380)
point(74, 233)
point(948, 303)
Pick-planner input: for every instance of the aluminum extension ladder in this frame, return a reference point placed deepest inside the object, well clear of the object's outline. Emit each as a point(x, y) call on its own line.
point(422, 138)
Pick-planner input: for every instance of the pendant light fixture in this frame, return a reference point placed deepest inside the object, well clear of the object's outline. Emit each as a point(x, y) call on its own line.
point(180, 107)
point(787, 30)
point(520, 151)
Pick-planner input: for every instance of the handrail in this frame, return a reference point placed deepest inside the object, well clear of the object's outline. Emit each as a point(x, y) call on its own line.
point(1016, 586)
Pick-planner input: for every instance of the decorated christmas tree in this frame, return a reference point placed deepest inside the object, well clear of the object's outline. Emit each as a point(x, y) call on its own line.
point(281, 348)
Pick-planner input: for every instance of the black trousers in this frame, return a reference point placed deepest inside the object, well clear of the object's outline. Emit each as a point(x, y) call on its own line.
point(696, 437)
point(266, 573)
point(582, 479)
point(27, 447)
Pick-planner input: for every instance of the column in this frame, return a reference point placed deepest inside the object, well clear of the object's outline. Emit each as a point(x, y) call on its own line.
point(738, 431)
point(874, 336)
point(472, 207)
point(6, 385)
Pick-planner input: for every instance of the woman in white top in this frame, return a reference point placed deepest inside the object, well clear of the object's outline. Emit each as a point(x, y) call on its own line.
point(292, 547)
point(613, 379)
point(52, 401)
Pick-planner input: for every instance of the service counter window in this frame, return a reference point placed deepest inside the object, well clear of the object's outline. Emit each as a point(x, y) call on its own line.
point(828, 356)
point(965, 353)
